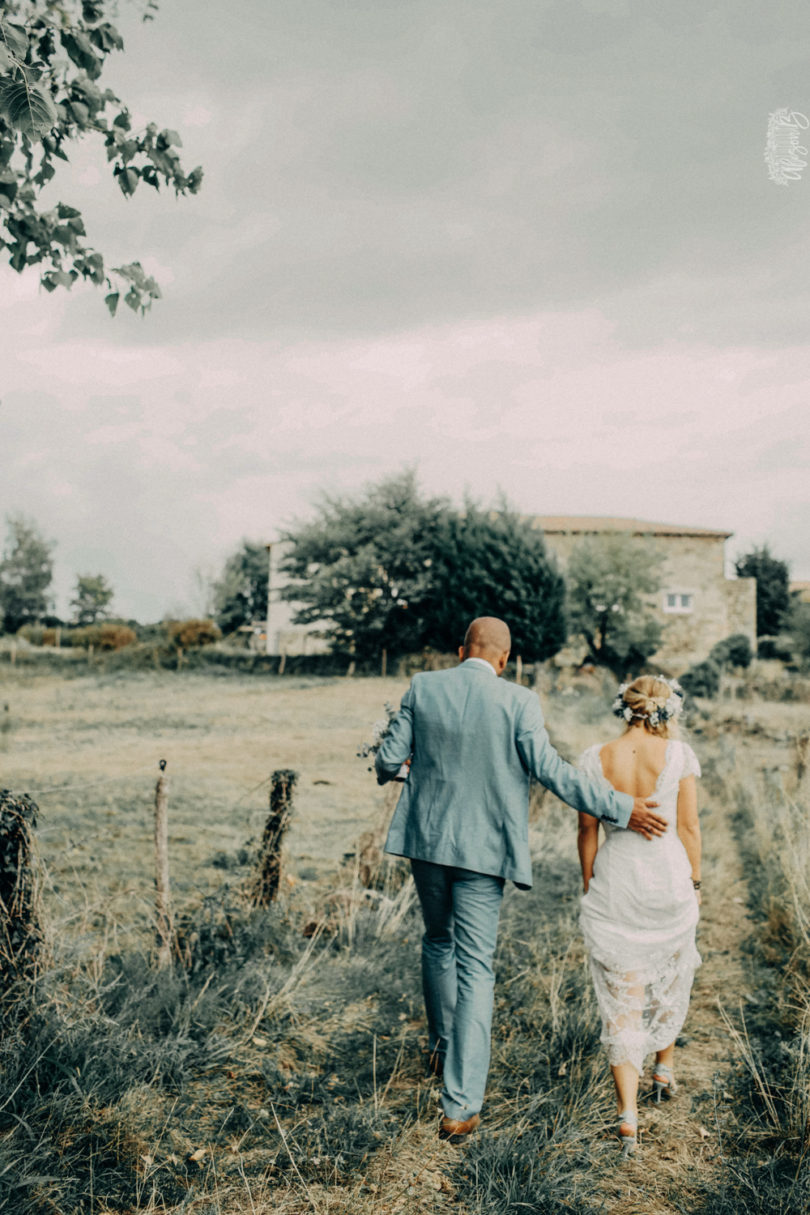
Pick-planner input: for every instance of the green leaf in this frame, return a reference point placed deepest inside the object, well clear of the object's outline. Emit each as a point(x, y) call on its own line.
point(7, 61)
point(80, 49)
point(28, 107)
point(15, 38)
point(128, 181)
point(194, 180)
point(111, 301)
point(107, 38)
point(8, 187)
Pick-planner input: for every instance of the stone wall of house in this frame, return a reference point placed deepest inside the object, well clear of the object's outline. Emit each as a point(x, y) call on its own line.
point(693, 566)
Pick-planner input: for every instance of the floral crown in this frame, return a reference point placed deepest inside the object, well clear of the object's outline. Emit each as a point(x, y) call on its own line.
point(660, 713)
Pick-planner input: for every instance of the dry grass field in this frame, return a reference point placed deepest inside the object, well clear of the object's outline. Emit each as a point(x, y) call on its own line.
point(282, 1072)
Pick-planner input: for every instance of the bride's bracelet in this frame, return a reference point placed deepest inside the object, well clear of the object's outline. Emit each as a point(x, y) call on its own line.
point(695, 884)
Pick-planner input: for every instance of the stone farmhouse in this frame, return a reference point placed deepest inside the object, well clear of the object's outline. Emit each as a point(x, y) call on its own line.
point(698, 605)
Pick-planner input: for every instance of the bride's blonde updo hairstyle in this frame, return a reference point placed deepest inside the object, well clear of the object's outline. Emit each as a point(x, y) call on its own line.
point(652, 701)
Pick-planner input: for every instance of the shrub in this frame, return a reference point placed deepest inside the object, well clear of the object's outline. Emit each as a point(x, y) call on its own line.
point(189, 634)
point(703, 679)
point(107, 636)
point(32, 633)
point(779, 647)
point(734, 651)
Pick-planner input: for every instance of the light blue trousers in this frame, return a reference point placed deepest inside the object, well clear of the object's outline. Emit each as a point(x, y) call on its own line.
point(460, 909)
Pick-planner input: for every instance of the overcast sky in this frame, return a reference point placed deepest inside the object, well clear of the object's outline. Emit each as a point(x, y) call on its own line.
point(520, 245)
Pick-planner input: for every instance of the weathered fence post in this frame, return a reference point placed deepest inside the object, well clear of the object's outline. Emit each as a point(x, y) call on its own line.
point(163, 911)
point(268, 878)
point(384, 664)
point(20, 930)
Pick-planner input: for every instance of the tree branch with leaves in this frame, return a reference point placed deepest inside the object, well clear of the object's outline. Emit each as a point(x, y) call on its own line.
point(52, 55)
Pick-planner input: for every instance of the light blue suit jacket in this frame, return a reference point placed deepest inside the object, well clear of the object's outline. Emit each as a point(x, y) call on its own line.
point(476, 741)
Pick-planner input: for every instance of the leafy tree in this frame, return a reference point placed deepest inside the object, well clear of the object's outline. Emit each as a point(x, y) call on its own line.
point(91, 598)
point(52, 55)
point(240, 594)
point(362, 567)
point(491, 563)
point(390, 569)
point(608, 581)
point(773, 588)
point(26, 572)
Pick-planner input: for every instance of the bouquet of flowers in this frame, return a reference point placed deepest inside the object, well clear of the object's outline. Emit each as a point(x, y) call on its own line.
point(379, 732)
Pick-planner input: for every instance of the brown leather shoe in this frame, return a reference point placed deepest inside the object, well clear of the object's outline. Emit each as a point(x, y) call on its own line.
point(456, 1131)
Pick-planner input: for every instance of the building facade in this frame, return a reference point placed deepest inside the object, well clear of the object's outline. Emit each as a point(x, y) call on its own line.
point(698, 605)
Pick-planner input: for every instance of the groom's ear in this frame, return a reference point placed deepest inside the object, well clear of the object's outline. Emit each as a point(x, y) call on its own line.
point(461, 653)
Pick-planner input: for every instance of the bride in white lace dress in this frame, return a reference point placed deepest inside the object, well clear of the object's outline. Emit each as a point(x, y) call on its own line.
point(640, 907)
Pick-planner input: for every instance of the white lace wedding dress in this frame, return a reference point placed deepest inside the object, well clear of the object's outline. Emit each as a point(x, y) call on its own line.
point(638, 920)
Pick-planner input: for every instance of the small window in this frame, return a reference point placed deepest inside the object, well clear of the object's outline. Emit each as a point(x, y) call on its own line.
point(678, 601)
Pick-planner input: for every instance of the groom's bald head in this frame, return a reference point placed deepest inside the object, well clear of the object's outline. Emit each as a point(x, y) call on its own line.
point(489, 638)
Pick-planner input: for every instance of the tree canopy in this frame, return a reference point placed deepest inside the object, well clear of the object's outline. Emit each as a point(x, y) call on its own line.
point(26, 573)
point(773, 588)
point(91, 598)
point(240, 593)
point(362, 567)
point(52, 55)
point(391, 569)
point(607, 584)
point(492, 563)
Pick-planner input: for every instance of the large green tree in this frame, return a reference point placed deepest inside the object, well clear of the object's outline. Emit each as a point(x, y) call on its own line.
point(391, 569)
point(52, 55)
point(91, 598)
point(492, 563)
point(609, 581)
point(240, 593)
point(361, 567)
point(26, 573)
point(773, 588)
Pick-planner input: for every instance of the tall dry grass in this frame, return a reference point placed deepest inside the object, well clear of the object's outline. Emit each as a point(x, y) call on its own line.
point(767, 1140)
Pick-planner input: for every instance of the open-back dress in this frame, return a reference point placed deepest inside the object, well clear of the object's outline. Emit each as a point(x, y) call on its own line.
point(639, 919)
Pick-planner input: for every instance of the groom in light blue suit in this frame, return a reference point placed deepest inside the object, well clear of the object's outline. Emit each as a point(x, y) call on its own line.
point(475, 742)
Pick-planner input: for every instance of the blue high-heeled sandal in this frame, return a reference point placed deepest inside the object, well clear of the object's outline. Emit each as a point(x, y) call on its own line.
point(664, 1086)
point(629, 1142)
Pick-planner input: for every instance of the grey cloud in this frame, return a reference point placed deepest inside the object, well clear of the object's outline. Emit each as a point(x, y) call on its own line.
point(423, 163)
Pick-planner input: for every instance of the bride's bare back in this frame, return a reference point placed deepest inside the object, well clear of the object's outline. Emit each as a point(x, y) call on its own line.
point(634, 762)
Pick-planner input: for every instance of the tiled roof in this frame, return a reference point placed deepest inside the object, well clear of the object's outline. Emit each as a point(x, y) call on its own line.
point(599, 524)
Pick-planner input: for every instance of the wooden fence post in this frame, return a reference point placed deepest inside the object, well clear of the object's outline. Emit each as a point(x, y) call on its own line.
point(20, 931)
point(268, 878)
point(163, 911)
point(384, 664)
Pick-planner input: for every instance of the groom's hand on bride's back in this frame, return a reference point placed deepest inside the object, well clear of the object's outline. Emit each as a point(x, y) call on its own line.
point(644, 820)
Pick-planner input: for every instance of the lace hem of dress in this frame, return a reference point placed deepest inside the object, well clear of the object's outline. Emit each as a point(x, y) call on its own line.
point(643, 1010)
